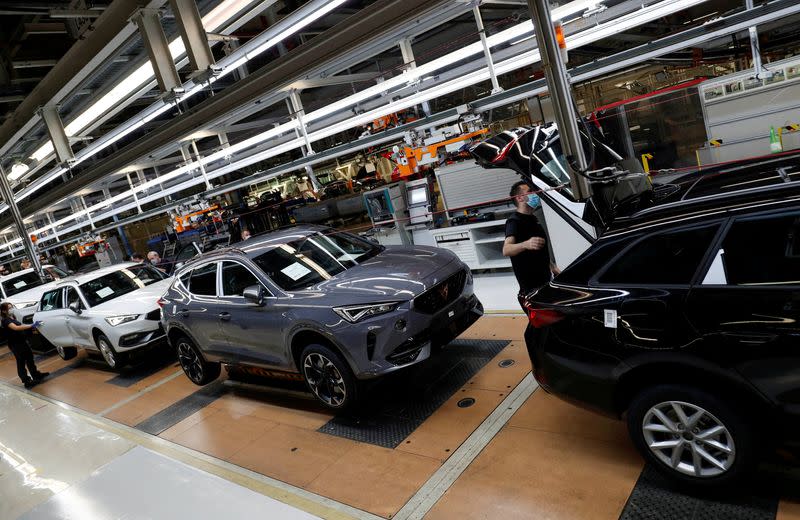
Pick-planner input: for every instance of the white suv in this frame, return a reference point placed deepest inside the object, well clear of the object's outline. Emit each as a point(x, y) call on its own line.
point(24, 289)
point(113, 310)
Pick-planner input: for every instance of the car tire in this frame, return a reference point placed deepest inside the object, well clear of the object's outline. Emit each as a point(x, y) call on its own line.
point(691, 437)
point(113, 359)
point(329, 378)
point(67, 353)
point(198, 370)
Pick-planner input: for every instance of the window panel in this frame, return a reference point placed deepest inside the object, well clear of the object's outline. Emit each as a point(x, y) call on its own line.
point(763, 252)
point(662, 259)
point(204, 280)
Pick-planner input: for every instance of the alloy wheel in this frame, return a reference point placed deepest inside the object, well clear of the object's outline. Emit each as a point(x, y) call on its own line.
point(190, 361)
point(108, 354)
point(325, 379)
point(688, 439)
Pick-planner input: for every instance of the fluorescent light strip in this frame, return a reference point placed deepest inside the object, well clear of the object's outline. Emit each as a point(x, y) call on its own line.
point(643, 16)
point(294, 27)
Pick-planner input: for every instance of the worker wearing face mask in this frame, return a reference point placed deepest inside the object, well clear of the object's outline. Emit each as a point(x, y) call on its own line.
point(526, 242)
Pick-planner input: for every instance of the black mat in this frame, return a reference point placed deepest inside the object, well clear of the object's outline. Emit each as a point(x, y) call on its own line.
point(655, 498)
point(179, 411)
point(400, 403)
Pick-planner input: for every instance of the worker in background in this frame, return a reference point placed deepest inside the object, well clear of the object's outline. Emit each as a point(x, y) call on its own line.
point(245, 234)
point(155, 259)
point(137, 257)
point(526, 242)
point(25, 264)
point(15, 334)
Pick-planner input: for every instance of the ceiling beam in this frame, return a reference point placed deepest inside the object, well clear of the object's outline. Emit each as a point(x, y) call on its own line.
point(107, 34)
point(32, 64)
point(75, 13)
point(334, 80)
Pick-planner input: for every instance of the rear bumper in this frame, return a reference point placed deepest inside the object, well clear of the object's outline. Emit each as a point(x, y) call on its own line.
point(579, 376)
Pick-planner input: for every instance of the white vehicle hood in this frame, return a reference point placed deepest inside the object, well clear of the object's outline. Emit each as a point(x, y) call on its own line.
point(140, 301)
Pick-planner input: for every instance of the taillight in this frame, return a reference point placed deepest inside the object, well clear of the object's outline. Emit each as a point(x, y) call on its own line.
point(500, 157)
point(539, 318)
point(161, 302)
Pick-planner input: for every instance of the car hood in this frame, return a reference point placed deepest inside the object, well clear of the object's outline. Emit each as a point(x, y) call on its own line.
point(140, 301)
point(32, 294)
point(396, 273)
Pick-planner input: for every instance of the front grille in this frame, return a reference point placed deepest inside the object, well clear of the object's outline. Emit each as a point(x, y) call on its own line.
point(441, 294)
point(153, 315)
point(408, 351)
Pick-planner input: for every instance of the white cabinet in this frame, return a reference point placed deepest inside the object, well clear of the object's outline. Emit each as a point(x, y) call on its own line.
point(478, 245)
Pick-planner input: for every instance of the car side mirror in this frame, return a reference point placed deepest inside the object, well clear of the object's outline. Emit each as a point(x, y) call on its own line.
point(75, 307)
point(255, 294)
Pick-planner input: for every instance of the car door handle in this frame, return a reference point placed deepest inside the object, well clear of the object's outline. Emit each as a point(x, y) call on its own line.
point(184, 313)
point(225, 316)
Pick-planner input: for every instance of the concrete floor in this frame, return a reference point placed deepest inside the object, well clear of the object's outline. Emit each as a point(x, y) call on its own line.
point(73, 442)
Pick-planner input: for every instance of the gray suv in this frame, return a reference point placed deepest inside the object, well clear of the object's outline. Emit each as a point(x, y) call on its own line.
point(312, 303)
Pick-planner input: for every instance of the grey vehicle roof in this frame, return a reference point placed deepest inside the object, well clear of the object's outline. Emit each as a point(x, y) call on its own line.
point(258, 245)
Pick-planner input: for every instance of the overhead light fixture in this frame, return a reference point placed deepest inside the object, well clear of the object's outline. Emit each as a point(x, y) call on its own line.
point(214, 19)
point(18, 170)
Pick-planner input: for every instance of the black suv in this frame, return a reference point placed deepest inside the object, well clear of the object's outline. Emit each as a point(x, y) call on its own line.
point(684, 318)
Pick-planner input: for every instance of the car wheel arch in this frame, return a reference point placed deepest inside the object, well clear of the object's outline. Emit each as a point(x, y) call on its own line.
point(96, 333)
point(693, 373)
point(302, 337)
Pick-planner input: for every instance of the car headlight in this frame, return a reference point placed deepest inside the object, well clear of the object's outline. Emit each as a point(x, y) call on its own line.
point(354, 313)
point(119, 320)
point(22, 305)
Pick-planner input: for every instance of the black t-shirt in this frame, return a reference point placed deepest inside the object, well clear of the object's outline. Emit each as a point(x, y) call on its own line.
point(16, 338)
point(532, 268)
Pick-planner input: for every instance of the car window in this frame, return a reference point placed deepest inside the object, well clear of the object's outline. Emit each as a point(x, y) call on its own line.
point(318, 257)
point(669, 258)
point(73, 297)
point(763, 251)
point(184, 279)
point(118, 283)
point(203, 281)
point(236, 278)
point(52, 300)
point(147, 274)
point(20, 283)
point(186, 253)
point(55, 272)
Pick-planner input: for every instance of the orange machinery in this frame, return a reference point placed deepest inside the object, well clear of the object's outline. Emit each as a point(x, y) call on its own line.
point(91, 248)
point(182, 222)
point(409, 159)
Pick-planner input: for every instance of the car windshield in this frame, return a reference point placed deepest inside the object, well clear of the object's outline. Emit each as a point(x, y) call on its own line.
point(118, 283)
point(318, 257)
point(21, 283)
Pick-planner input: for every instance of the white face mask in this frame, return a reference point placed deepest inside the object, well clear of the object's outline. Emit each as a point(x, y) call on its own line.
point(155, 261)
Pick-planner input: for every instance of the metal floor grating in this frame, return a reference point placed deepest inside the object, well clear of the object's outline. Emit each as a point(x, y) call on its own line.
point(655, 498)
point(403, 401)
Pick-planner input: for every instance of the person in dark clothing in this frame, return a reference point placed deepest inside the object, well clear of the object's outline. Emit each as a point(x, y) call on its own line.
point(526, 242)
point(15, 333)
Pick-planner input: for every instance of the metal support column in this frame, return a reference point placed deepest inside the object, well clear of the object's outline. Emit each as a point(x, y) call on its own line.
point(120, 231)
point(133, 190)
point(30, 250)
point(199, 159)
point(193, 34)
point(149, 23)
point(566, 115)
point(53, 228)
point(55, 129)
point(88, 213)
point(408, 58)
point(487, 52)
point(754, 47)
point(296, 106)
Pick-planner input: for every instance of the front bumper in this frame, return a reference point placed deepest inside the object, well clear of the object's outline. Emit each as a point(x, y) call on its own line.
point(388, 349)
point(137, 335)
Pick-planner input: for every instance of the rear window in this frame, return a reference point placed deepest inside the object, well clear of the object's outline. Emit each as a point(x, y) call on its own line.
point(668, 258)
point(21, 283)
point(582, 270)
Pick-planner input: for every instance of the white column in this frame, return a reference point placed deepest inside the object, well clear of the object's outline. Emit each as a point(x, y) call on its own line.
point(149, 23)
point(55, 129)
